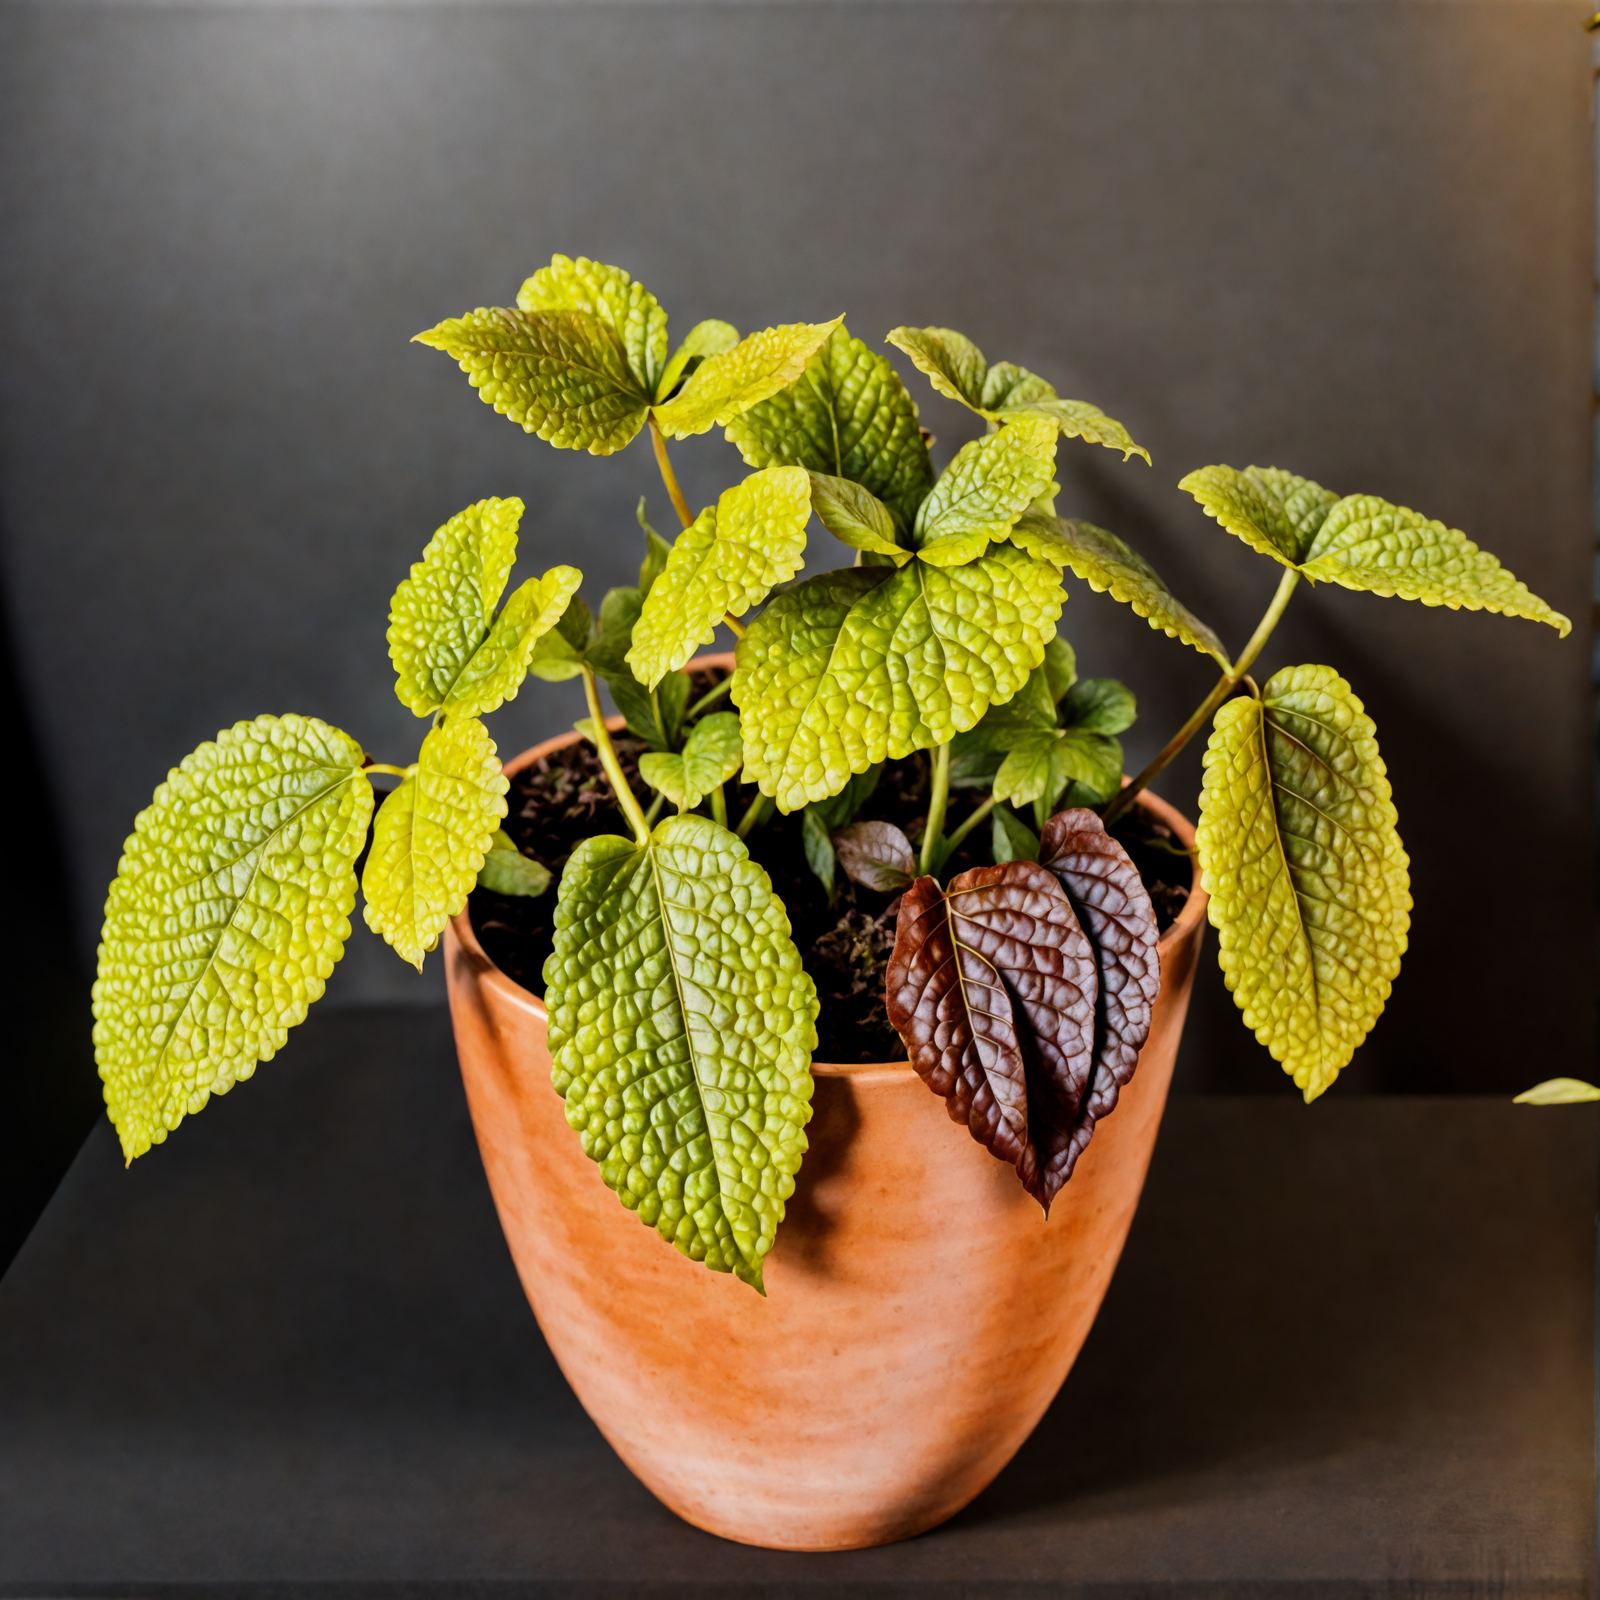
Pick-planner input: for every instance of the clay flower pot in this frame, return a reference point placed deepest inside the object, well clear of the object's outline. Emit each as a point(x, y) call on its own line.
point(921, 1312)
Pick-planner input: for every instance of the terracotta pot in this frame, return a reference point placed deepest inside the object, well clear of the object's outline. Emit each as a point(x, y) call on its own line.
point(921, 1312)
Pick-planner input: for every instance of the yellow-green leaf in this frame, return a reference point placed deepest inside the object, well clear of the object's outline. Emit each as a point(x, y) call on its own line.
point(709, 338)
point(727, 385)
point(506, 870)
point(1366, 543)
point(681, 1029)
point(498, 666)
point(983, 491)
point(854, 667)
point(626, 307)
point(950, 361)
point(1558, 1092)
point(711, 755)
point(230, 907)
point(431, 836)
point(1077, 419)
point(1273, 511)
point(855, 516)
point(1308, 881)
point(563, 375)
point(847, 415)
point(1105, 563)
point(726, 561)
point(1039, 765)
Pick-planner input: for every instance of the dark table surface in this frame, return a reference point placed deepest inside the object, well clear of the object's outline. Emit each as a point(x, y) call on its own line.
point(1349, 1351)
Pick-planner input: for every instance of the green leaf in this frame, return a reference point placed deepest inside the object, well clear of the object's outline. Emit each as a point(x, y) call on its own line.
point(613, 635)
point(855, 667)
point(230, 907)
point(1273, 511)
point(847, 415)
point(626, 307)
point(819, 848)
point(681, 1029)
point(656, 552)
point(1100, 705)
point(1105, 563)
point(563, 375)
point(506, 870)
point(1060, 666)
point(1558, 1092)
point(1014, 840)
point(950, 361)
point(1077, 419)
point(500, 663)
point(983, 491)
point(653, 715)
point(710, 338)
point(1366, 543)
point(727, 561)
point(1006, 384)
point(431, 835)
point(560, 653)
point(841, 809)
point(1307, 877)
point(1093, 764)
point(856, 517)
point(710, 756)
point(1038, 767)
point(726, 386)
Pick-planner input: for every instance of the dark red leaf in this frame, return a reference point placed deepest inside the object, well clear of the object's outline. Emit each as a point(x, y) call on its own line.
point(992, 987)
point(877, 854)
point(1115, 911)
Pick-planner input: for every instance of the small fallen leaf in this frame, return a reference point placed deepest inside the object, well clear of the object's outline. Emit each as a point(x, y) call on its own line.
point(876, 854)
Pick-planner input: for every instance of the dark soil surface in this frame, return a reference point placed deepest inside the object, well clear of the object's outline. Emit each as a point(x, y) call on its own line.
point(563, 799)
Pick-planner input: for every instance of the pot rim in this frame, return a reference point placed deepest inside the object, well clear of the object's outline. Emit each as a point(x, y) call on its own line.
point(512, 992)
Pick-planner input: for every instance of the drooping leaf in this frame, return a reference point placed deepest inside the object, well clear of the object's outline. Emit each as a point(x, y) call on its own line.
point(1006, 384)
point(840, 810)
point(1558, 1092)
point(1076, 419)
point(984, 490)
point(992, 988)
point(950, 361)
point(876, 854)
point(851, 668)
point(560, 653)
point(1099, 705)
point(1273, 511)
point(819, 849)
point(681, 1029)
point(653, 715)
point(230, 907)
point(856, 517)
point(563, 375)
point(710, 756)
point(1366, 543)
point(725, 386)
point(1104, 562)
point(754, 537)
point(431, 835)
point(1061, 667)
point(656, 552)
point(626, 307)
point(1307, 877)
point(847, 415)
point(709, 338)
point(1013, 839)
point(1114, 909)
point(506, 870)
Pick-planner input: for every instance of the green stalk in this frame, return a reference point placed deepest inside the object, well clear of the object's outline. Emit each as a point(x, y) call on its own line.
point(758, 809)
point(621, 789)
point(972, 822)
point(719, 807)
point(383, 766)
point(707, 700)
point(1202, 713)
point(937, 803)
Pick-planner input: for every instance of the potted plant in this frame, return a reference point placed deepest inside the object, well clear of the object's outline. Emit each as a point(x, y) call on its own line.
point(897, 788)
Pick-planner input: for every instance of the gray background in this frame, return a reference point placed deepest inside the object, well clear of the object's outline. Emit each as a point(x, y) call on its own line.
point(1349, 239)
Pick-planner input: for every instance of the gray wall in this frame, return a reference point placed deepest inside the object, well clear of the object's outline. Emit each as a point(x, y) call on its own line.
point(1351, 239)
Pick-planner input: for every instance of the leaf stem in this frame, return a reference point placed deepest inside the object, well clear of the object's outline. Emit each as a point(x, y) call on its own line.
point(668, 476)
point(937, 803)
point(758, 809)
point(622, 790)
point(1202, 713)
point(383, 766)
point(971, 822)
point(655, 809)
point(719, 806)
point(707, 700)
point(734, 625)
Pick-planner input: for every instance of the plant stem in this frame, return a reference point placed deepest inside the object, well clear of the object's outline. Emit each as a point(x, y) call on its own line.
point(383, 766)
point(758, 809)
point(621, 789)
point(719, 806)
point(937, 803)
point(655, 808)
point(668, 476)
point(972, 822)
point(1202, 713)
point(707, 700)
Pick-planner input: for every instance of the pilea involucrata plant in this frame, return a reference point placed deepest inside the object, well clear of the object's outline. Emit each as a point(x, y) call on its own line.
point(682, 1019)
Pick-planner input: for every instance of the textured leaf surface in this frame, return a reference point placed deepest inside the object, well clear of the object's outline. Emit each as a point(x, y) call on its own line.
point(950, 361)
point(681, 1030)
point(1013, 839)
point(1039, 766)
point(1310, 895)
point(506, 870)
point(1105, 563)
point(839, 810)
point(710, 756)
point(230, 907)
point(728, 561)
point(1558, 1092)
point(559, 654)
point(497, 667)
point(1114, 909)
point(709, 338)
point(726, 386)
point(876, 854)
point(1077, 419)
point(983, 491)
point(1273, 511)
point(850, 668)
point(563, 375)
point(992, 988)
point(626, 307)
point(1099, 705)
point(1366, 543)
point(856, 517)
point(431, 836)
point(848, 415)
